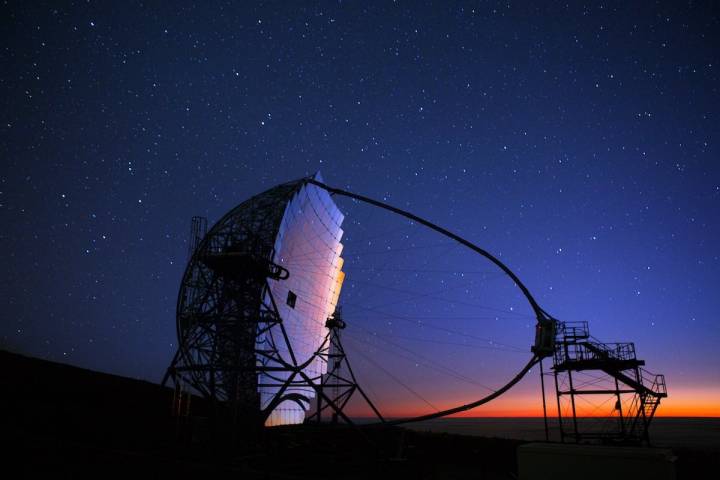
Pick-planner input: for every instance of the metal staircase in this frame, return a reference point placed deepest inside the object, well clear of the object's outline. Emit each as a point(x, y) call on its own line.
point(643, 406)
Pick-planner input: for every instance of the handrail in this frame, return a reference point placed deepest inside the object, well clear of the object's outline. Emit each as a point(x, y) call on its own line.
point(588, 350)
point(656, 381)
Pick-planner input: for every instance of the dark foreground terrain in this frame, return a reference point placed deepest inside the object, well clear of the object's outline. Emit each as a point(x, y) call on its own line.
point(665, 432)
point(67, 422)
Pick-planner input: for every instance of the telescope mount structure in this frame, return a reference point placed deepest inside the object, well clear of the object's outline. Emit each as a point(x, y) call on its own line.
point(259, 325)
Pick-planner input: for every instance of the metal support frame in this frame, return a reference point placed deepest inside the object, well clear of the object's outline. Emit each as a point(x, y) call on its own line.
point(265, 359)
point(229, 327)
point(542, 387)
point(336, 385)
point(614, 364)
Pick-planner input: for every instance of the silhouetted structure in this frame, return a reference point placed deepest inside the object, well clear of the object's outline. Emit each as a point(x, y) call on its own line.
point(585, 367)
point(339, 383)
point(259, 333)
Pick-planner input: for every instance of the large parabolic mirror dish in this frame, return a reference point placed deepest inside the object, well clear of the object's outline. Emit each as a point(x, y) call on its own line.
point(244, 323)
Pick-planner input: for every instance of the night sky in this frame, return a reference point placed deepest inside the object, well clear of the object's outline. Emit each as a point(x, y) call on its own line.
point(576, 142)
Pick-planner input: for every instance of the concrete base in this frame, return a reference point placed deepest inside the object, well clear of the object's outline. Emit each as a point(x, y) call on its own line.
point(558, 461)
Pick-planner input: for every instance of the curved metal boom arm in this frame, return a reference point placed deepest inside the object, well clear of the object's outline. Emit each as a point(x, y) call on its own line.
point(539, 312)
point(544, 319)
point(471, 405)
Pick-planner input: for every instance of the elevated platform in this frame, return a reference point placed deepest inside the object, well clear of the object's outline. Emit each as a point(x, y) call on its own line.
point(582, 365)
point(597, 364)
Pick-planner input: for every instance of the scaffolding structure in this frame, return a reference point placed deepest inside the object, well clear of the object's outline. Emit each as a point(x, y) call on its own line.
point(585, 368)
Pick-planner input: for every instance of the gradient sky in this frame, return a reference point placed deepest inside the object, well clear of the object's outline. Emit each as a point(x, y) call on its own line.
point(576, 142)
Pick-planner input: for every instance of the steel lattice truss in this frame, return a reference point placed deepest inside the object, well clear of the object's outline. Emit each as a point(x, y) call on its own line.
point(222, 308)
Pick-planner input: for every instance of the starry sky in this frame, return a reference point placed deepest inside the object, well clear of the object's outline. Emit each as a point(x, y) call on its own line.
point(576, 142)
